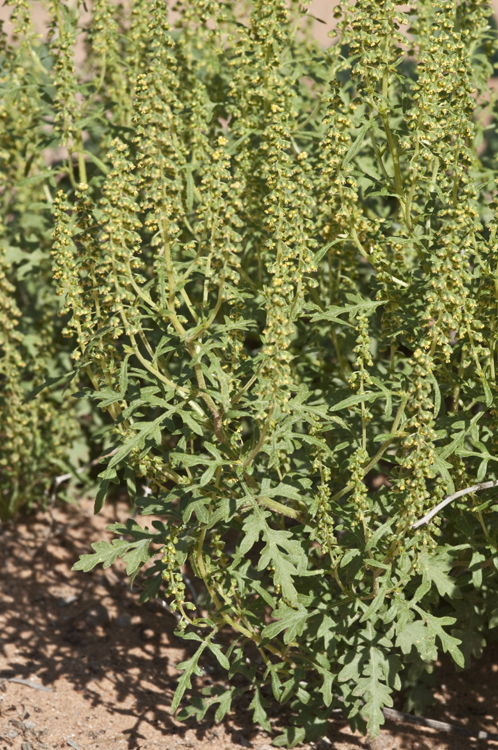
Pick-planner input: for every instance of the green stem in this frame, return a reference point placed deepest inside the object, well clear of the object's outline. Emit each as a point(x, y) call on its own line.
point(243, 390)
point(364, 253)
point(284, 510)
point(253, 636)
point(190, 307)
point(379, 453)
point(81, 159)
point(252, 455)
point(379, 159)
point(398, 180)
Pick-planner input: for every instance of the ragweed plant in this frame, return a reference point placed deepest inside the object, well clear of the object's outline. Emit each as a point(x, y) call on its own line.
point(278, 273)
point(44, 438)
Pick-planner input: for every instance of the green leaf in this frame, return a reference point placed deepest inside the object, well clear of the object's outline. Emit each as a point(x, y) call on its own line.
point(123, 376)
point(475, 568)
point(105, 553)
point(264, 594)
point(483, 467)
point(353, 150)
point(349, 555)
point(190, 422)
point(493, 619)
point(14, 254)
point(435, 570)
point(107, 397)
point(288, 619)
point(487, 392)
point(197, 707)
point(389, 402)
point(285, 490)
point(449, 449)
point(131, 484)
point(290, 737)
point(359, 398)
point(378, 534)
point(101, 494)
point(198, 507)
point(208, 474)
point(110, 474)
point(332, 312)
point(189, 668)
point(145, 429)
point(322, 666)
point(417, 634)
point(373, 689)
point(286, 554)
point(351, 668)
point(319, 255)
point(138, 554)
point(215, 649)
point(258, 705)
point(326, 688)
point(327, 630)
point(437, 396)
point(225, 704)
point(379, 597)
point(435, 628)
point(442, 466)
point(61, 380)
point(276, 684)
point(251, 529)
point(48, 174)
point(98, 162)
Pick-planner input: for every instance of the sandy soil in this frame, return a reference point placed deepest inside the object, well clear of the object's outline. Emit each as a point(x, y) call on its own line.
point(107, 665)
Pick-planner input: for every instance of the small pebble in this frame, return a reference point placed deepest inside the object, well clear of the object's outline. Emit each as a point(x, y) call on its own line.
point(123, 621)
point(66, 601)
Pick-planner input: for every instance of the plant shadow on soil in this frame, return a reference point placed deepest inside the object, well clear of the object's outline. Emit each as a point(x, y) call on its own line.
point(111, 662)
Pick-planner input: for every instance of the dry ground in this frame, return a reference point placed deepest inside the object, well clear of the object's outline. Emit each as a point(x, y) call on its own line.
point(110, 663)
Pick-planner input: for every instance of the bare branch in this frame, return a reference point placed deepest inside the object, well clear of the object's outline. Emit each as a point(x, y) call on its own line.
point(450, 498)
point(443, 726)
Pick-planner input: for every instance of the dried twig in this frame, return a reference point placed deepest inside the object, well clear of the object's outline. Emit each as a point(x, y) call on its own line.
point(443, 726)
point(72, 744)
point(29, 683)
point(450, 498)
